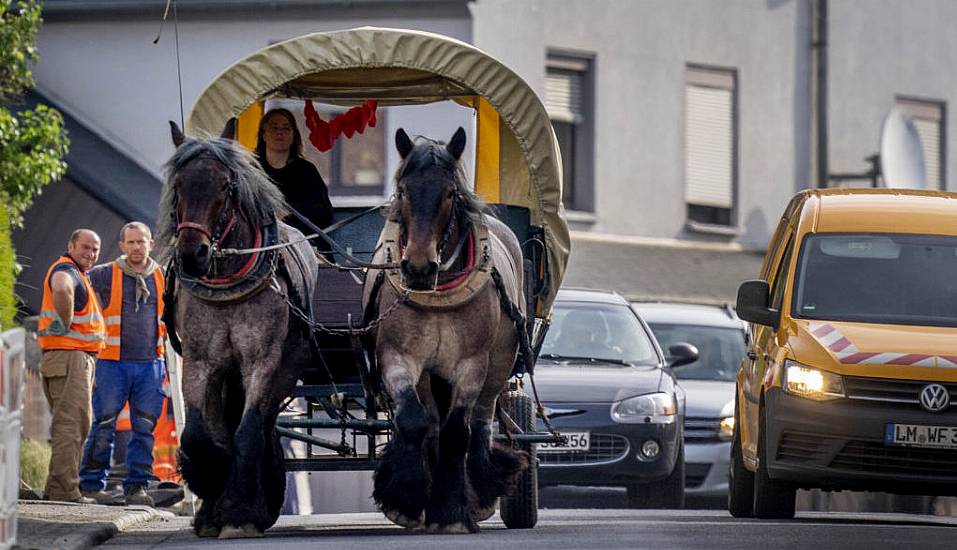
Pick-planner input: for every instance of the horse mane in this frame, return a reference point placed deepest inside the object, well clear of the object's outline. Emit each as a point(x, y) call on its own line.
point(429, 153)
point(256, 195)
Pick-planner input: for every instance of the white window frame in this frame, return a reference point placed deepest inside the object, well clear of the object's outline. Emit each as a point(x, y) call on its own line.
point(711, 146)
point(929, 116)
point(569, 100)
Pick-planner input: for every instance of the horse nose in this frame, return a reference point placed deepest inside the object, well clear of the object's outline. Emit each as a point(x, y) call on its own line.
point(195, 264)
point(423, 272)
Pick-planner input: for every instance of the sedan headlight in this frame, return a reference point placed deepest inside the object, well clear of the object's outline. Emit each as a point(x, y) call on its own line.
point(811, 383)
point(726, 426)
point(657, 408)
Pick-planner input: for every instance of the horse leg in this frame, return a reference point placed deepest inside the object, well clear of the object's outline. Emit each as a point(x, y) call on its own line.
point(203, 457)
point(401, 483)
point(448, 508)
point(493, 468)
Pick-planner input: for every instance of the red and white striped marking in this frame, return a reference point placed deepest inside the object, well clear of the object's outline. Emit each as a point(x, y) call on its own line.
point(848, 354)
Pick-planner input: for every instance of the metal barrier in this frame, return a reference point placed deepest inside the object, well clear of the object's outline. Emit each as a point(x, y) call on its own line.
point(12, 363)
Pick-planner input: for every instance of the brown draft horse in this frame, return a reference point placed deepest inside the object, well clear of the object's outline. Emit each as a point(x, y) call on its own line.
point(443, 367)
point(242, 347)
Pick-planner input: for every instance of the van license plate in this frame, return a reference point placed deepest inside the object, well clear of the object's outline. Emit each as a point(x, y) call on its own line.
point(938, 437)
point(577, 441)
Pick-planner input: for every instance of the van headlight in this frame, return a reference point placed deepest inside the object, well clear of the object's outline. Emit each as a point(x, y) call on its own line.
point(810, 383)
point(655, 408)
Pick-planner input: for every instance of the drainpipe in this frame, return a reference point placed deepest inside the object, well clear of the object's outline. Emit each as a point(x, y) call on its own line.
point(819, 45)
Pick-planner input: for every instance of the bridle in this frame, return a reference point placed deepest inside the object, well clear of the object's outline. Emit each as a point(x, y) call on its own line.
point(465, 238)
point(225, 222)
point(229, 214)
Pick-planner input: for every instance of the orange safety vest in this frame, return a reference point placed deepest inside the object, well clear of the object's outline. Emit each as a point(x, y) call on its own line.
point(86, 332)
point(114, 315)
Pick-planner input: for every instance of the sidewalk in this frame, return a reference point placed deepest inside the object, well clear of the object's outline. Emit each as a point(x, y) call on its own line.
point(47, 525)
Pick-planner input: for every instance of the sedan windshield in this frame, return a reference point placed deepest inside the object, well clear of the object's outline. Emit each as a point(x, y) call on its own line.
point(597, 334)
point(878, 278)
point(719, 349)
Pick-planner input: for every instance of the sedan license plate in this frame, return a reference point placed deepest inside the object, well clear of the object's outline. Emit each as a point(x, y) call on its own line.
point(914, 435)
point(577, 441)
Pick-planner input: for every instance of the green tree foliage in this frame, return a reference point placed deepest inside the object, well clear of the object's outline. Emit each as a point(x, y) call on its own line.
point(8, 300)
point(32, 142)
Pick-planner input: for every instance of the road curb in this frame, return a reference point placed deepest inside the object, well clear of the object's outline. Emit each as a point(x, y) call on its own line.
point(42, 533)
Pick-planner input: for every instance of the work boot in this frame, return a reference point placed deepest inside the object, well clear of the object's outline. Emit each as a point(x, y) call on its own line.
point(137, 495)
point(101, 497)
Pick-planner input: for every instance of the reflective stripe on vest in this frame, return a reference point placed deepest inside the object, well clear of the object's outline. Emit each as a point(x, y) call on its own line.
point(114, 315)
point(86, 332)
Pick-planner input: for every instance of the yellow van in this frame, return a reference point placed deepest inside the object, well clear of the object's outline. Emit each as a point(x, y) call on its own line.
point(850, 379)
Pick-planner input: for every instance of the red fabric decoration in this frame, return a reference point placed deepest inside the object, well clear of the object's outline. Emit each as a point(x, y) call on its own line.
point(324, 134)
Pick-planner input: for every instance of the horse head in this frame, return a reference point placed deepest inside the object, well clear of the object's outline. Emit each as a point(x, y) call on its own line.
point(430, 190)
point(214, 188)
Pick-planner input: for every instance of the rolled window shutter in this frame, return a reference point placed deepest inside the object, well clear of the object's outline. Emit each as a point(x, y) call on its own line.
point(929, 133)
point(709, 152)
point(563, 95)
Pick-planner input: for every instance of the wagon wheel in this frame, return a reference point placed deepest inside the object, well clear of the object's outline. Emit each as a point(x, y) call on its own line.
point(520, 511)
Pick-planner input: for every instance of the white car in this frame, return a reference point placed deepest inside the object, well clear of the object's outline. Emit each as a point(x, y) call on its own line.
point(708, 382)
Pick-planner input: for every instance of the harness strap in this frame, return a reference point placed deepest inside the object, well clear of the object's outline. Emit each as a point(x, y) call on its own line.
point(169, 308)
point(202, 228)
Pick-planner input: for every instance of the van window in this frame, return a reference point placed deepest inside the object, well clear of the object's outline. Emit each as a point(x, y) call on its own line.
point(878, 278)
point(777, 286)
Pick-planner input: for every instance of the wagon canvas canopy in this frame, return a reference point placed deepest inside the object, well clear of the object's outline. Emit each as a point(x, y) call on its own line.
point(517, 161)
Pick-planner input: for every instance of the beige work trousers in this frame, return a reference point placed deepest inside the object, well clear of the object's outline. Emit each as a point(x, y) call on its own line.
point(68, 386)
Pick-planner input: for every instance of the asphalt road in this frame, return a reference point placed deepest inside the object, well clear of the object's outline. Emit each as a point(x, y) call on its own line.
point(575, 528)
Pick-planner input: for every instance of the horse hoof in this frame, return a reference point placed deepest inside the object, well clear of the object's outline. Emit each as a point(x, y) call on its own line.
point(208, 531)
point(483, 514)
point(247, 531)
point(450, 529)
point(403, 520)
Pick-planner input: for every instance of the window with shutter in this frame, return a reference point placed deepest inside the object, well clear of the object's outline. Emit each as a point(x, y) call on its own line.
point(928, 118)
point(568, 100)
point(710, 145)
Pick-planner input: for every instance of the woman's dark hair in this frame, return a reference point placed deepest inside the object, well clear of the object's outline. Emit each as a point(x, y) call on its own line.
point(295, 150)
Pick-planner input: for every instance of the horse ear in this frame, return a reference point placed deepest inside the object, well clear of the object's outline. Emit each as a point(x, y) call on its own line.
point(403, 143)
point(456, 144)
point(176, 133)
point(229, 131)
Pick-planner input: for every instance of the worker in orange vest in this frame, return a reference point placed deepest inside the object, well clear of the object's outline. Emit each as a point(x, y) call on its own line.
point(130, 368)
point(70, 333)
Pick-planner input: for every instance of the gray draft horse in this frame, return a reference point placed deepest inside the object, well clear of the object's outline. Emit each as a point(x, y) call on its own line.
point(443, 367)
point(242, 347)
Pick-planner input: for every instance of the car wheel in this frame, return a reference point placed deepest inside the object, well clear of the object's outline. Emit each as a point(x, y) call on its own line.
point(740, 479)
point(773, 499)
point(520, 511)
point(666, 493)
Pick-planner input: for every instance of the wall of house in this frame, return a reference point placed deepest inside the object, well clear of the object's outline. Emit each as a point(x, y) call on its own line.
point(104, 69)
point(641, 50)
point(883, 49)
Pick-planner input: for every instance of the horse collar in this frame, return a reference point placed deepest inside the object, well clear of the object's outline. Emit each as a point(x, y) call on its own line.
point(453, 293)
point(249, 280)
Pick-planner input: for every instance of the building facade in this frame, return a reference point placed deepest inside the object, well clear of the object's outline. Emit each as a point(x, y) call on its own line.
point(686, 125)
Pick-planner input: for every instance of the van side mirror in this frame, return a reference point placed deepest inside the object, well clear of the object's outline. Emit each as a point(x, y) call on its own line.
point(754, 299)
point(682, 353)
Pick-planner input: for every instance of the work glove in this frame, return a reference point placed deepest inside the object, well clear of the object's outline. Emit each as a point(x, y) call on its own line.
point(57, 327)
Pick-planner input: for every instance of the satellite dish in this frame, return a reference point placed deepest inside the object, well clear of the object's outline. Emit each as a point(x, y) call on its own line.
point(902, 155)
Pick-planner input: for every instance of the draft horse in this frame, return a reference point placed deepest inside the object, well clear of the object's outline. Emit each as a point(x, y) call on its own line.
point(444, 344)
point(242, 346)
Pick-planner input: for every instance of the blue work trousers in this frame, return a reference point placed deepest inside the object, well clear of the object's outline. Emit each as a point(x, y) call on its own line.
point(116, 382)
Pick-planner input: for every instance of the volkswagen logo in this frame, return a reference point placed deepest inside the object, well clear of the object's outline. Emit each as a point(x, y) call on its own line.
point(934, 397)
